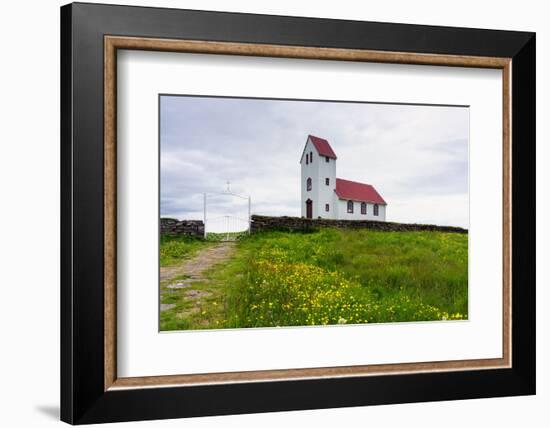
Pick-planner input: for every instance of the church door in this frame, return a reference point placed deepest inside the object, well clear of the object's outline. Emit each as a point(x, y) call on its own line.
point(309, 208)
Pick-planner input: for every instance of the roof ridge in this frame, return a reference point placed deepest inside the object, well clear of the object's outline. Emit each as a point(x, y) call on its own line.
point(315, 136)
point(353, 181)
point(355, 190)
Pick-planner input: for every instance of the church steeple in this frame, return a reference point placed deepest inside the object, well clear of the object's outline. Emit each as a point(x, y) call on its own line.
point(318, 171)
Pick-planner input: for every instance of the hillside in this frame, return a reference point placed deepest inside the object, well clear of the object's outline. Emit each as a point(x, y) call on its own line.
point(332, 276)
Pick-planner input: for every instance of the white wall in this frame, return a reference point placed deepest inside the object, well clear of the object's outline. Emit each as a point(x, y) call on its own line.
point(325, 194)
point(29, 165)
point(310, 170)
point(356, 215)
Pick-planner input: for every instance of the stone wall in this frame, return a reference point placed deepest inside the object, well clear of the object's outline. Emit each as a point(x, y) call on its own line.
point(261, 223)
point(171, 226)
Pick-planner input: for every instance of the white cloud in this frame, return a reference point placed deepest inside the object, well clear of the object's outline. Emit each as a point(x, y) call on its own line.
point(416, 156)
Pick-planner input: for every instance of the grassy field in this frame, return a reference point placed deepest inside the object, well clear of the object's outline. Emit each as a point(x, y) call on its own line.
point(327, 277)
point(173, 249)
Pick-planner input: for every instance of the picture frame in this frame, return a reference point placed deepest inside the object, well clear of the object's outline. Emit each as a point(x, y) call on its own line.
point(91, 391)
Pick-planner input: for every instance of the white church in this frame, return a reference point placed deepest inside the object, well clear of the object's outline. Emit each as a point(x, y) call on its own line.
point(325, 196)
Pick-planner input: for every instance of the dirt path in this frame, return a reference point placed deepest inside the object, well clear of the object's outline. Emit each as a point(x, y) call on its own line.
point(194, 267)
point(188, 280)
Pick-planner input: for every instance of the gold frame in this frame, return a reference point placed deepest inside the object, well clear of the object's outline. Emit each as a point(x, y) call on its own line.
point(112, 43)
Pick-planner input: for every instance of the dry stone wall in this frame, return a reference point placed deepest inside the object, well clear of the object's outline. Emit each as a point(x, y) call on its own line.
point(172, 226)
point(261, 223)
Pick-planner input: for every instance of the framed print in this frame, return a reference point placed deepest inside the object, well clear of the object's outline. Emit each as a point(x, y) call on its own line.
point(264, 213)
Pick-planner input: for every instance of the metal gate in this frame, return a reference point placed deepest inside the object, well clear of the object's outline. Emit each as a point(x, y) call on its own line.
point(224, 221)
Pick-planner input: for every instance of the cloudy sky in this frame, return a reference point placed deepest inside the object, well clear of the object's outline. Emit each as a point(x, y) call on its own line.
point(415, 156)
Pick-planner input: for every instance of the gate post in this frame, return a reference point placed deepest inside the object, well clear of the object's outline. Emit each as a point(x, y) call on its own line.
point(249, 218)
point(204, 214)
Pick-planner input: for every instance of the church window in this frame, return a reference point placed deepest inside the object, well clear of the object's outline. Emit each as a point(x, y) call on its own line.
point(375, 209)
point(327, 208)
point(363, 207)
point(308, 184)
point(327, 181)
point(350, 207)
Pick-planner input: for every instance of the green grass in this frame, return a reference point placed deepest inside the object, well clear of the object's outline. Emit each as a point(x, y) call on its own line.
point(331, 277)
point(188, 314)
point(173, 249)
point(230, 236)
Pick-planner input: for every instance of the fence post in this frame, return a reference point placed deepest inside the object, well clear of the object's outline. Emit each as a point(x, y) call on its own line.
point(204, 214)
point(249, 217)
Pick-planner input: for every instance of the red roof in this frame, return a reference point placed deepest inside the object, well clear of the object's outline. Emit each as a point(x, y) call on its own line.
point(322, 146)
point(355, 191)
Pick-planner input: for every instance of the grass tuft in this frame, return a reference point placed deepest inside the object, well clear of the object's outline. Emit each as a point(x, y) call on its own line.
point(174, 248)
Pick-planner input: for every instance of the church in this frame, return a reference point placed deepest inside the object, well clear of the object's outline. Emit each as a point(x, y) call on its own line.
point(325, 196)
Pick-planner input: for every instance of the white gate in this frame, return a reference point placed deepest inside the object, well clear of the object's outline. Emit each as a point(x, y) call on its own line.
point(226, 215)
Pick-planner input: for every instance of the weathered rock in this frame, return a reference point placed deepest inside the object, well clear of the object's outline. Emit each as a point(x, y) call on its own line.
point(179, 285)
point(171, 226)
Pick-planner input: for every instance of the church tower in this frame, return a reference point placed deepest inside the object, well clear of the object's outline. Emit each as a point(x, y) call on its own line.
point(318, 179)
